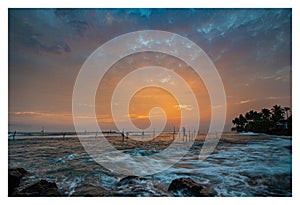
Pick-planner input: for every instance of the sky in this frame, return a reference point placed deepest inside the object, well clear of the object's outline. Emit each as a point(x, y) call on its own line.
point(250, 48)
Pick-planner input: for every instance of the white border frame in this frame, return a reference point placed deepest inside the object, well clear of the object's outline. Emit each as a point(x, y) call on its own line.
point(151, 4)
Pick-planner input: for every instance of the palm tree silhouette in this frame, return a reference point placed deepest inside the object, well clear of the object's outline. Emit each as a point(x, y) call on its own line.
point(277, 114)
point(287, 109)
point(266, 113)
point(267, 121)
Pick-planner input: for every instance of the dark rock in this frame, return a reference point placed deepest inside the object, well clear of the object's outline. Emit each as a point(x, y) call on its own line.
point(288, 148)
point(130, 180)
point(188, 187)
point(139, 191)
point(275, 185)
point(41, 188)
point(90, 191)
point(126, 194)
point(14, 177)
point(132, 186)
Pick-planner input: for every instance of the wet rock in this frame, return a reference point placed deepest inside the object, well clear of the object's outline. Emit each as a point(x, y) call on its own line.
point(41, 188)
point(288, 148)
point(274, 185)
point(130, 180)
point(188, 187)
point(14, 177)
point(254, 180)
point(91, 191)
point(137, 191)
point(127, 194)
point(133, 186)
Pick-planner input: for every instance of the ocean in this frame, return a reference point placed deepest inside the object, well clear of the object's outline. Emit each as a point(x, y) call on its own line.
point(240, 165)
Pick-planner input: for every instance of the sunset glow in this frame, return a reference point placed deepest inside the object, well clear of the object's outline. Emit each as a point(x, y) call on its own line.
point(251, 50)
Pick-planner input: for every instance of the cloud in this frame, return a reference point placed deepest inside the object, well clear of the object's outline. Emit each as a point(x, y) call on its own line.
point(244, 101)
point(36, 31)
point(137, 116)
point(166, 79)
point(277, 97)
point(54, 48)
point(141, 12)
point(185, 107)
point(220, 23)
point(39, 114)
point(74, 19)
point(31, 113)
point(282, 74)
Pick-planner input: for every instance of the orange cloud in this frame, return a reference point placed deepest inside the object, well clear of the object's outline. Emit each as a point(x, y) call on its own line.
point(185, 107)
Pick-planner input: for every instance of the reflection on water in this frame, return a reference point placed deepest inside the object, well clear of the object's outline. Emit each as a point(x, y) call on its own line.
point(239, 166)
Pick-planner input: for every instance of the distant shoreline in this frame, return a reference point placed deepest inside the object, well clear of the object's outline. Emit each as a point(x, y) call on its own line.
point(109, 133)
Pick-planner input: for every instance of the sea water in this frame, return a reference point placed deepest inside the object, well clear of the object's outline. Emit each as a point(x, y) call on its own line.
point(258, 165)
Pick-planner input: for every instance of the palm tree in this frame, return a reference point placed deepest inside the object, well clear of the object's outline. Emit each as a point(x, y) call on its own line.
point(243, 122)
point(242, 119)
point(287, 109)
point(237, 124)
point(240, 123)
point(254, 121)
point(277, 113)
point(267, 121)
point(277, 116)
point(250, 115)
point(236, 121)
point(266, 124)
point(266, 113)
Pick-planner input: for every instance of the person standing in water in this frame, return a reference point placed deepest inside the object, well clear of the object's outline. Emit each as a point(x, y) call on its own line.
point(14, 135)
point(123, 136)
point(183, 130)
point(174, 132)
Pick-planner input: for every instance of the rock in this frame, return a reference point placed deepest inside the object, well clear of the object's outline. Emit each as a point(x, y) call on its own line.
point(41, 188)
point(14, 177)
point(90, 191)
point(288, 148)
point(188, 187)
point(130, 180)
point(132, 186)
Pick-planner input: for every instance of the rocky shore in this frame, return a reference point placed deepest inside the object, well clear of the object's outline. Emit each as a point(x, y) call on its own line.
point(43, 188)
point(39, 188)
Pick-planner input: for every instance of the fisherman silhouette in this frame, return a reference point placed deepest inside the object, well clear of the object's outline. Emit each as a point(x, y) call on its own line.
point(123, 136)
point(14, 135)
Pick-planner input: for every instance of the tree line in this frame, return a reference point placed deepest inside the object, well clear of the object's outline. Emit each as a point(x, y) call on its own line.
point(277, 121)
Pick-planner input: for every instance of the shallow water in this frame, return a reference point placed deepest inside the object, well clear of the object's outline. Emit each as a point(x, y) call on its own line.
point(239, 166)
